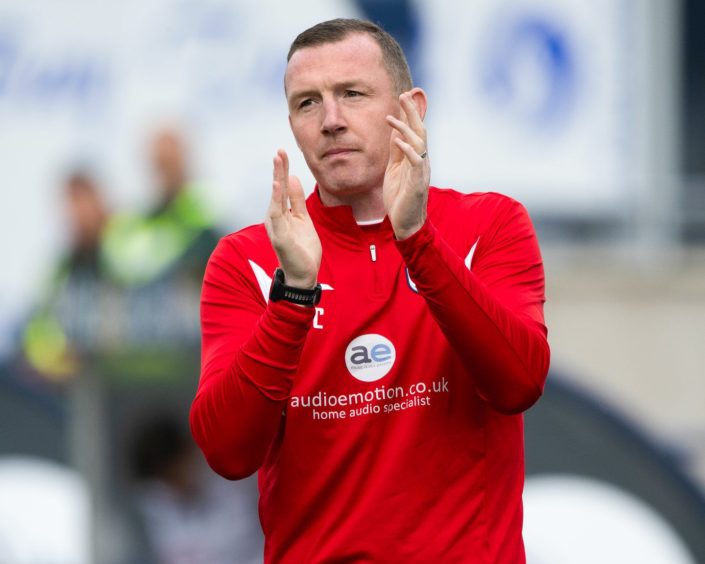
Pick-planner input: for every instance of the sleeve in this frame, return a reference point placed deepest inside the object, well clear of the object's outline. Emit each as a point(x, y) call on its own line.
point(492, 316)
point(250, 353)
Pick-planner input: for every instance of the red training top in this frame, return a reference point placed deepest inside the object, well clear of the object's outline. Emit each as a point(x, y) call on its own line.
point(386, 422)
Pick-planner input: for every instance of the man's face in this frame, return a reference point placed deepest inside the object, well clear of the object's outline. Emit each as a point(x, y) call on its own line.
point(338, 96)
point(86, 212)
point(169, 162)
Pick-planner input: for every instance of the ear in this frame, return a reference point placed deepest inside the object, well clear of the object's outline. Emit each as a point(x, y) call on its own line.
point(292, 131)
point(418, 96)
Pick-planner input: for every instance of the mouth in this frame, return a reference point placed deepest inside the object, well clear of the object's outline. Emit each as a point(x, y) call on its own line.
point(338, 152)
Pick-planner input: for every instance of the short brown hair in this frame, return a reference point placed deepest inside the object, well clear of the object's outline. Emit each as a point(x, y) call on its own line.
point(336, 30)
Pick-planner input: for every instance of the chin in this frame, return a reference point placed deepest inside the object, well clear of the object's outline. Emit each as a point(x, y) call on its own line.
point(344, 184)
point(345, 187)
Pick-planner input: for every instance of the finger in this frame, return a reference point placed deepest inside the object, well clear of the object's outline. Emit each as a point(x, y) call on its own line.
point(395, 153)
point(275, 220)
point(285, 160)
point(297, 196)
point(408, 134)
point(279, 167)
point(275, 201)
point(275, 206)
point(409, 152)
point(281, 179)
point(404, 118)
point(412, 114)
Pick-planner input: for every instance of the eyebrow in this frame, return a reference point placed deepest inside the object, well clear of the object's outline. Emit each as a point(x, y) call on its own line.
point(301, 94)
point(346, 85)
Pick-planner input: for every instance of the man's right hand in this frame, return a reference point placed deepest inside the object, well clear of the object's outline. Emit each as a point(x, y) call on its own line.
point(291, 230)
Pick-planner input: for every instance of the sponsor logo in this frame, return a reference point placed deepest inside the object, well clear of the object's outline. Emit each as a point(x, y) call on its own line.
point(370, 357)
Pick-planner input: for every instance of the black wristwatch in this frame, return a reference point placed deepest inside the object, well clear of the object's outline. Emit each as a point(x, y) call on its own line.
point(280, 291)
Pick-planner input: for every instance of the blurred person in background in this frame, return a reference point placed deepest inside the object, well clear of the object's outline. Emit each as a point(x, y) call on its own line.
point(188, 514)
point(88, 216)
point(377, 380)
point(74, 283)
point(176, 236)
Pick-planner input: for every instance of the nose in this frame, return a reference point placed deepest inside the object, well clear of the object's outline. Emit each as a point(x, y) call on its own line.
point(333, 119)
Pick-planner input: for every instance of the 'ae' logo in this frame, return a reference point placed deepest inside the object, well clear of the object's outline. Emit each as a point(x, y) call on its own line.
point(370, 357)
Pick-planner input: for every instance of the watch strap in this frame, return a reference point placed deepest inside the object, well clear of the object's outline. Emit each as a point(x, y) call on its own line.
point(280, 291)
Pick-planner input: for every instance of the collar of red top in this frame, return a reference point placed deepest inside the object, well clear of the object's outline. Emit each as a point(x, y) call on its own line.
point(339, 222)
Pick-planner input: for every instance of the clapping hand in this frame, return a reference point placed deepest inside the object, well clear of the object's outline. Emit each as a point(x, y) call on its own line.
point(408, 171)
point(290, 229)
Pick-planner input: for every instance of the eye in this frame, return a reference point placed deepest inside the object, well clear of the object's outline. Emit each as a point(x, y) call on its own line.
point(352, 93)
point(305, 103)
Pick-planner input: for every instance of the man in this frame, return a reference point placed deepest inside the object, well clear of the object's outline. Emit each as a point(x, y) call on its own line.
point(385, 420)
point(56, 334)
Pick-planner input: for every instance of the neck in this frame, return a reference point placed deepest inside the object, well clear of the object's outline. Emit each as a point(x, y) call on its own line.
point(366, 206)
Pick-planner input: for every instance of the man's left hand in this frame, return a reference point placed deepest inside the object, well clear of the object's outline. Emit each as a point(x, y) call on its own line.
point(408, 171)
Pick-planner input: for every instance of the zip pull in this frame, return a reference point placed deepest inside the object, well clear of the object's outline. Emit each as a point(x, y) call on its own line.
point(373, 253)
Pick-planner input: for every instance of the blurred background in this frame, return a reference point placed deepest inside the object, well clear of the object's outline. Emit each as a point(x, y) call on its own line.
point(134, 134)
